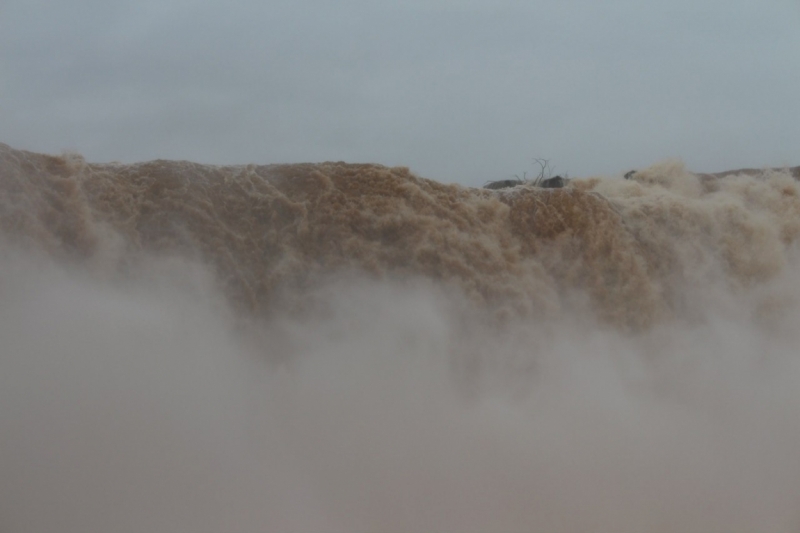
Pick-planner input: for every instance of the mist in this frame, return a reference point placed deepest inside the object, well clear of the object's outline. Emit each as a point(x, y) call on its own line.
point(145, 404)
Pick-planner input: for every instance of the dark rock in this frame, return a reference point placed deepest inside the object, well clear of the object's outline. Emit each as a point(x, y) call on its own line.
point(502, 184)
point(553, 183)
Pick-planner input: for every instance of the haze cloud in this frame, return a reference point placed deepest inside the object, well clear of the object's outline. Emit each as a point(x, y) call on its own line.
point(460, 92)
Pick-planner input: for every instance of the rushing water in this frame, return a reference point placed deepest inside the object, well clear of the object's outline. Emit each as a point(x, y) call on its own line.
point(338, 347)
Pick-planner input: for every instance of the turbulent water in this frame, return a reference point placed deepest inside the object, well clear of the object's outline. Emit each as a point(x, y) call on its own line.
point(340, 347)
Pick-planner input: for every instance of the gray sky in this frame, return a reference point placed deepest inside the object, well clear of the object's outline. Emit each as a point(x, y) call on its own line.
point(458, 90)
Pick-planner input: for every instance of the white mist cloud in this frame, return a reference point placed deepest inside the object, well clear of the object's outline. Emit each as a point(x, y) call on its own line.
point(138, 406)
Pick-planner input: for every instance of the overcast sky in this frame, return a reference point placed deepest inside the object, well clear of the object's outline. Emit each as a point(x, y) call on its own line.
point(458, 90)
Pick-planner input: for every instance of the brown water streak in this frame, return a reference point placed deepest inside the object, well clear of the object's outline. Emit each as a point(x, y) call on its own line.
point(634, 247)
